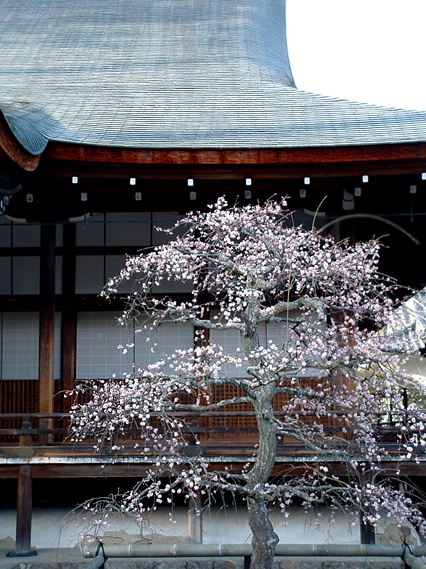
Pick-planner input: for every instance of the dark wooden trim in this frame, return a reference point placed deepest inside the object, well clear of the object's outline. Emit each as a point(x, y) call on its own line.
point(285, 171)
point(60, 251)
point(12, 151)
point(80, 303)
point(136, 470)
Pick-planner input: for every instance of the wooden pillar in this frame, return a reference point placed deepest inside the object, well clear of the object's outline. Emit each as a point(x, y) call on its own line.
point(24, 510)
point(195, 520)
point(68, 354)
point(367, 533)
point(24, 500)
point(195, 505)
point(203, 422)
point(368, 536)
point(69, 316)
point(47, 323)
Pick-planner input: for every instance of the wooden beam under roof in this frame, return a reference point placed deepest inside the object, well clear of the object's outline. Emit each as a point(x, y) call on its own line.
point(64, 160)
point(210, 163)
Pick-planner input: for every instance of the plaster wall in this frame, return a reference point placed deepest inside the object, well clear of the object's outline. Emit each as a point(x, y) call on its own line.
point(219, 526)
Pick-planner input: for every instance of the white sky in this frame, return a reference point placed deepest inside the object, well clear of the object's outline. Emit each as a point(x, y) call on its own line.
point(372, 51)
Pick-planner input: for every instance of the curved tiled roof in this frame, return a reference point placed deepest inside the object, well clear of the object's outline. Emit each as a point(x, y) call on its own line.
point(170, 74)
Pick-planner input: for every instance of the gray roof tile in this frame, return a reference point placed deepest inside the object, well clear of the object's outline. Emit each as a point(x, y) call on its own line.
point(170, 74)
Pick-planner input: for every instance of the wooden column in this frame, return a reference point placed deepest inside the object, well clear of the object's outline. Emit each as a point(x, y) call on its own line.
point(69, 316)
point(368, 536)
point(203, 422)
point(47, 322)
point(68, 354)
point(24, 500)
point(195, 520)
point(367, 533)
point(24, 510)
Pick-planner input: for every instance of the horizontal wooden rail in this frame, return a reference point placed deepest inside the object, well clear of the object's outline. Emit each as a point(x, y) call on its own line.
point(219, 432)
point(193, 414)
point(30, 416)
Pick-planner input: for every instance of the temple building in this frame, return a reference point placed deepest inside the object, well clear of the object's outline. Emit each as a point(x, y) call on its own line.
point(119, 116)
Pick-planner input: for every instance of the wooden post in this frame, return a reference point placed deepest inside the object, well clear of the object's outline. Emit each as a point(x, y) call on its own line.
point(47, 325)
point(68, 354)
point(69, 316)
point(24, 501)
point(367, 533)
point(24, 509)
point(195, 520)
point(203, 422)
point(368, 536)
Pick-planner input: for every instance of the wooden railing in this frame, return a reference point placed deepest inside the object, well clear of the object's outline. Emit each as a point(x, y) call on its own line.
point(231, 429)
point(18, 397)
point(220, 432)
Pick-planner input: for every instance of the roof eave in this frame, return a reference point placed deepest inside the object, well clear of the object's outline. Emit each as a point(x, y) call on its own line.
point(12, 151)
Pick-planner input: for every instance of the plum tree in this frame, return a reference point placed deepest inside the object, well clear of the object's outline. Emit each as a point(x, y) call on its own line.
point(322, 303)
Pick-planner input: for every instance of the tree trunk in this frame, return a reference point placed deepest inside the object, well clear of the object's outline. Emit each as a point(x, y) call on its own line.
point(264, 538)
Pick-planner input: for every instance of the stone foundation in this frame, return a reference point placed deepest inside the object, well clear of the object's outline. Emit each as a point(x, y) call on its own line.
point(70, 559)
